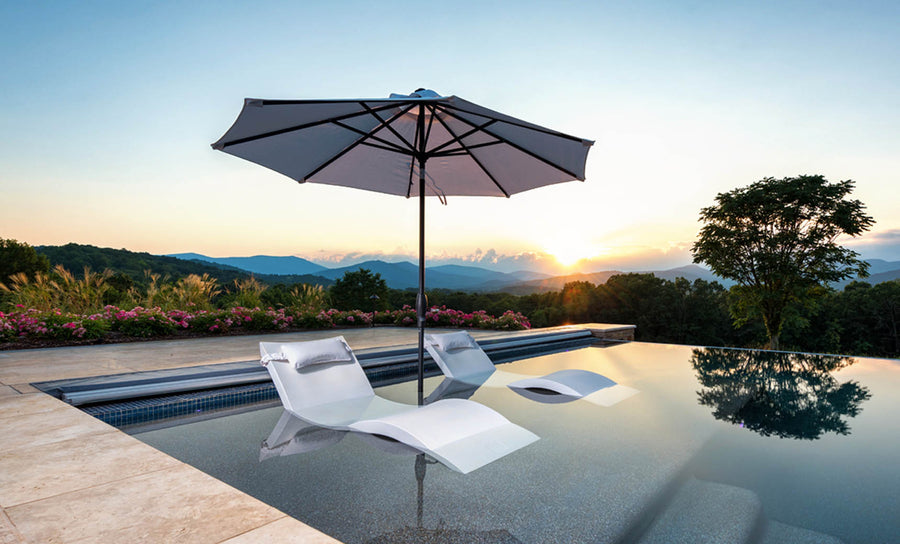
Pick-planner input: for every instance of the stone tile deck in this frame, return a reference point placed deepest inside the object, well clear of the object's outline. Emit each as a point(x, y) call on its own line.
point(68, 477)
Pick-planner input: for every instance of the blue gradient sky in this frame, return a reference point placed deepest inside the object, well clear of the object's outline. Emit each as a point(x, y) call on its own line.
point(109, 108)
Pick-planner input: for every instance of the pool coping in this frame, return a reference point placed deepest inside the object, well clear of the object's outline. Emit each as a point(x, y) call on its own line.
point(68, 477)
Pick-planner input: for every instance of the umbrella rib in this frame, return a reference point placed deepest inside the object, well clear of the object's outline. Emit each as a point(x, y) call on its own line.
point(389, 126)
point(369, 135)
point(398, 150)
point(474, 158)
point(461, 136)
point(306, 125)
point(352, 146)
point(514, 122)
point(520, 148)
point(461, 151)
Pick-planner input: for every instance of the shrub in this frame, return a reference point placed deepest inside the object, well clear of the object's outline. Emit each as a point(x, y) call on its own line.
point(248, 293)
point(140, 322)
point(153, 322)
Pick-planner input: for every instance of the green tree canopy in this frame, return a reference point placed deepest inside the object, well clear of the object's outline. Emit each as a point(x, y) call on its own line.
point(777, 239)
point(16, 257)
point(355, 289)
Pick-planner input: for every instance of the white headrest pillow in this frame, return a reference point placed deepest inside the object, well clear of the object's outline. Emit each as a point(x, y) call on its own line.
point(317, 352)
point(452, 341)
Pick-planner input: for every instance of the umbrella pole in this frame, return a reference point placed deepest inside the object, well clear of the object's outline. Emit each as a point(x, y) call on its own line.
point(420, 298)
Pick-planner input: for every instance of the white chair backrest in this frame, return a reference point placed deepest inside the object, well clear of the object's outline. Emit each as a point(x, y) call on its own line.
point(316, 384)
point(461, 362)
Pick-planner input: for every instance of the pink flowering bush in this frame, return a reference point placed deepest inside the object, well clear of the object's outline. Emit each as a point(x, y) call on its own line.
point(140, 322)
point(53, 325)
point(31, 324)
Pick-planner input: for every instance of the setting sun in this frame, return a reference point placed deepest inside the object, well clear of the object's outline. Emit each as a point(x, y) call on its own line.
point(569, 251)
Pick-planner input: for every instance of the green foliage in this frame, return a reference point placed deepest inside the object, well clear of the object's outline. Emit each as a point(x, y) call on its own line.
point(777, 239)
point(355, 289)
point(308, 297)
point(38, 293)
point(195, 292)
point(80, 295)
point(58, 290)
point(20, 258)
point(247, 293)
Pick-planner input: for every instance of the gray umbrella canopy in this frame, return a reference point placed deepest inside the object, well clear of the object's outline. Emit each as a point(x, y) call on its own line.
point(421, 144)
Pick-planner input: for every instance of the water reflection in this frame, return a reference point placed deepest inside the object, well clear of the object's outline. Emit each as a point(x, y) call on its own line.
point(440, 534)
point(788, 395)
point(292, 436)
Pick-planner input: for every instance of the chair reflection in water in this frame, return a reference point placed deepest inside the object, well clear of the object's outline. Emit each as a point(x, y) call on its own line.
point(322, 383)
point(467, 367)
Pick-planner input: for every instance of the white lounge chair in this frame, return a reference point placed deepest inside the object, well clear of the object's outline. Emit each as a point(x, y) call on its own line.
point(460, 358)
point(322, 382)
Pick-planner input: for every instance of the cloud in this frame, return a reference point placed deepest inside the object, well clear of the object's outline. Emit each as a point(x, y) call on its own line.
point(631, 259)
point(877, 245)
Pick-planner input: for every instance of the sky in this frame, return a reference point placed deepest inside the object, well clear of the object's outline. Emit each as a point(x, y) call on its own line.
point(108, 110)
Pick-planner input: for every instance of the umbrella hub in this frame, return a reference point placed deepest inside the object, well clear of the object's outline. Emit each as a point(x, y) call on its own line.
point(418, 93)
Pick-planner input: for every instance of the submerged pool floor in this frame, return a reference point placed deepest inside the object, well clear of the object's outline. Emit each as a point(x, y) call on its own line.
point(737, 445)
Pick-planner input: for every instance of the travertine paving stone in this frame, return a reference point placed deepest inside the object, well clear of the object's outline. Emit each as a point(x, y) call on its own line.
point(7, 391)
point(20, 405)
point(33, 473)
point(180, 504)
point(40, 428)
point(8, 533)
point(287, 530)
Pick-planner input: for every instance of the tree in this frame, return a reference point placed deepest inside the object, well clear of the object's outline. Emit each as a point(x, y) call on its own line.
point(18, 257)
point(354, 291)
point(776, 239)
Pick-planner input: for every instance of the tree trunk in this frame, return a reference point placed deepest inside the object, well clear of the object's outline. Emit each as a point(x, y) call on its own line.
point(773, 319)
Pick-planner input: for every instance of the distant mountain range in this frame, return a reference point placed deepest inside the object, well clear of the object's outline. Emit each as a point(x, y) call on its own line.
point(398, 275)
point(404, 275)
point(260, 264)
point(401, 275)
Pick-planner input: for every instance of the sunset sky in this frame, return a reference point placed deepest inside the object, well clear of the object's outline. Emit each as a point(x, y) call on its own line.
point(109, 108)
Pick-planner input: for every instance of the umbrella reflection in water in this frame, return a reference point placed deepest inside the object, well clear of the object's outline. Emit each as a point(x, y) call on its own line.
point(293, 436)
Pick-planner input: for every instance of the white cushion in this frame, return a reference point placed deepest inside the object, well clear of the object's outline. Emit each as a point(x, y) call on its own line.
point(317, 352)
point(453, 341)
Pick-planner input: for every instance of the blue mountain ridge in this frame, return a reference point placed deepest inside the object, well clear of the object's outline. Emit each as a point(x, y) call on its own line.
point(260, 264)
point(405, 275)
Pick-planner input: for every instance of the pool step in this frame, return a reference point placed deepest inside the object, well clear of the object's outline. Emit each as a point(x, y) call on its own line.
point(704, 512)
point(780, 533)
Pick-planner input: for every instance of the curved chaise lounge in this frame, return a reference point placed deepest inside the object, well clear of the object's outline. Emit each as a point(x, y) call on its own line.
point(460, 358)
point(322, 383)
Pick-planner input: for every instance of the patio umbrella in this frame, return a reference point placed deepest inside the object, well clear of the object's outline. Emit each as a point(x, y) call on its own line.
point(416, 145)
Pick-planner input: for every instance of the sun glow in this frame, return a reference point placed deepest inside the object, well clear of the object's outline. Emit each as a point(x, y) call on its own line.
point(568, 252)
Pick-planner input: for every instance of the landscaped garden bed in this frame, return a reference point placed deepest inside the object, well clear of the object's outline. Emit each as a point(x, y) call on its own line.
point(31, 328)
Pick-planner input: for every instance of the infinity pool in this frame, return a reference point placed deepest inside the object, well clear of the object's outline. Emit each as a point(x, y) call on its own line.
point(717, 446)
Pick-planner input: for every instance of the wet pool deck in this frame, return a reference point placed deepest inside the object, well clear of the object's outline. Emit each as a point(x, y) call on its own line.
point(68, 477)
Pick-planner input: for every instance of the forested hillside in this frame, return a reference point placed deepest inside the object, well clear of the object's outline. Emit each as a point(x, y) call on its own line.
point(75, 257)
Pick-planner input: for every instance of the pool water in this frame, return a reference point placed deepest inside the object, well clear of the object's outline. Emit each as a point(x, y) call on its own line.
point(718, 445)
